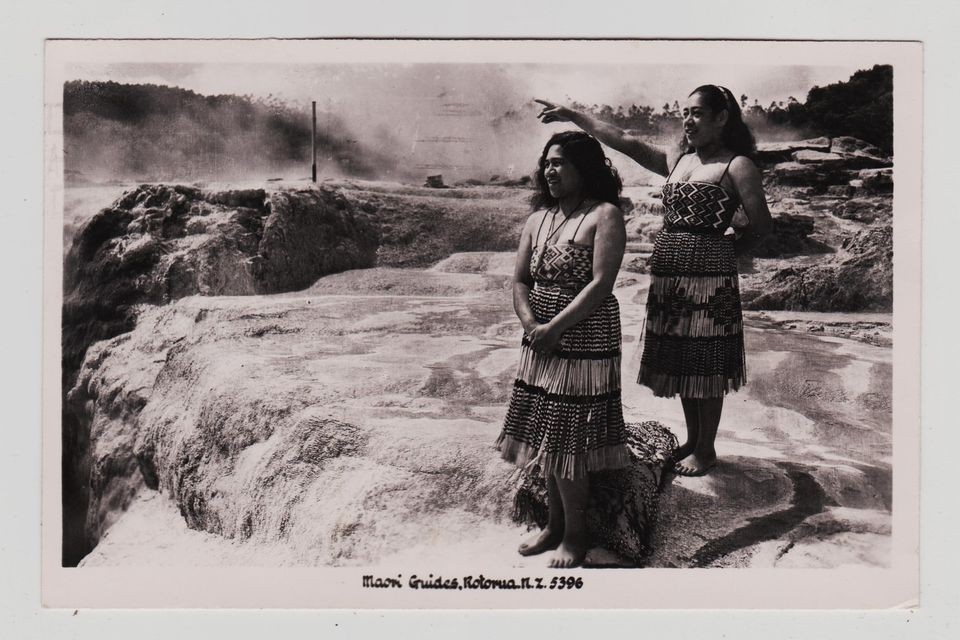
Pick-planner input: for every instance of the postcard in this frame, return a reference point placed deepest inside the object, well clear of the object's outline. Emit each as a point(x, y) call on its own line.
point(481, 324)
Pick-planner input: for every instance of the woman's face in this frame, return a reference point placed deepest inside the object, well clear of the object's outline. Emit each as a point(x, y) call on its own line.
point(701, 126)
point(562, 177)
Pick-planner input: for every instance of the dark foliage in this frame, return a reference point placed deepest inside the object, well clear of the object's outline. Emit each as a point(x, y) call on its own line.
point(861, 107)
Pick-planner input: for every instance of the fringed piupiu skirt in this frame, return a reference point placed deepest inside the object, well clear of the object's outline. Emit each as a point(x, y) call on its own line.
point(565, 416)
point(693, 336)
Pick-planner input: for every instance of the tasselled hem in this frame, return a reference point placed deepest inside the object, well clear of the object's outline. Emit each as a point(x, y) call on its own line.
point(568, 466)
point(569, 377)
point(697, 387)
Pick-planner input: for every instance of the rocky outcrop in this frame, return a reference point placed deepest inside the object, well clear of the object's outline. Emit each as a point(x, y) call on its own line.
point(793, 174)
point(868, 155)
point(774, 152)
point(159, 243)
point(339, 426)
point(827, 198)
point(874, 180)
point(820, 164)
point(790, 236)
point(858, 278)
point(644, 228)
point(865, 209)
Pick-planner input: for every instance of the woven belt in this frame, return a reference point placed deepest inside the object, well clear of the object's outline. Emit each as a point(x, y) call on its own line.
point(700, 231)
point(555, 285)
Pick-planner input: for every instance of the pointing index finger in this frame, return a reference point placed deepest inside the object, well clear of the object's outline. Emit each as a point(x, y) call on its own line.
point(549, 105)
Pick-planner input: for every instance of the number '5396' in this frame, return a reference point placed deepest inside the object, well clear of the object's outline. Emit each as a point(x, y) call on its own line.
point(564, 582)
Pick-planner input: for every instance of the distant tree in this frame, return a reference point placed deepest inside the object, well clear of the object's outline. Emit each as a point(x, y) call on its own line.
point(861, 107)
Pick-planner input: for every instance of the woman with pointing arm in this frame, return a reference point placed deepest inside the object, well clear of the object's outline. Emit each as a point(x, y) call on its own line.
point(693, 344)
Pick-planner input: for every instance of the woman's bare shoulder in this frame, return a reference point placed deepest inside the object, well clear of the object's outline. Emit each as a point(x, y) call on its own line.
point(607, 211)
point(536, 218)
point(743, 168)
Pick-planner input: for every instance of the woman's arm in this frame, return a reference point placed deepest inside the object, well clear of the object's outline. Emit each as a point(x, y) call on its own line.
point(608, 247)
point(748, 184)
point(649, 156)
point(522, 280)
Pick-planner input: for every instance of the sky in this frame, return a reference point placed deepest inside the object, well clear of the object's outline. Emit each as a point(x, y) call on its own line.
point(449, 118)
point(610, 83)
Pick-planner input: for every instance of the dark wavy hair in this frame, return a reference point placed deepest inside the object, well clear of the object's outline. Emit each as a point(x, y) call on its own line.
point(600, 179)
point(736, 134)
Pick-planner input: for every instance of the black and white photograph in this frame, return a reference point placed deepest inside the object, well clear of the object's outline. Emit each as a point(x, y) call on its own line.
point(478, 323)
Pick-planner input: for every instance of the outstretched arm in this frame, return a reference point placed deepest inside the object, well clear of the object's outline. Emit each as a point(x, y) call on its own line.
point(608, 247)
point(749, 186)
point(650, 157)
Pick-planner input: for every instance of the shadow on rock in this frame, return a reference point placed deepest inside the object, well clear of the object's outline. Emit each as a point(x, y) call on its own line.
point(742, 502)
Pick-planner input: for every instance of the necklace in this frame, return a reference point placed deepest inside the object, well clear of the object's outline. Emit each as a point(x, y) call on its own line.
point(551, 231)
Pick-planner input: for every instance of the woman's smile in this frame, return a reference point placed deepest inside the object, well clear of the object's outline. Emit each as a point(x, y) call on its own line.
point(561, 176)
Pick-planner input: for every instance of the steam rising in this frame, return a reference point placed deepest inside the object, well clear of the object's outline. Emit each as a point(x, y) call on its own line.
point(389, 121)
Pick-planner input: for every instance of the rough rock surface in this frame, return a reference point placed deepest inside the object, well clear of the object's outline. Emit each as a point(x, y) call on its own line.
point(836, 201)
point(832, 163)
point(858, 278)
point(790, 236)
point(876, 180)
point(341, 427)
point(793, 174)
point(213, 400)
point(773, 152)
point(159, 243)
point(867, 153)
point(312, 428)
point(865, 209)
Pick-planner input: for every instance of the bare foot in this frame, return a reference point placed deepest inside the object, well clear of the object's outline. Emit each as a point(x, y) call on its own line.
point(570, 554)
point(694, 465)
point(682, 451)
point(543, 541)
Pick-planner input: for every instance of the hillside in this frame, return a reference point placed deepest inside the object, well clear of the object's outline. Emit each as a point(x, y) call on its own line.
point(147, 132)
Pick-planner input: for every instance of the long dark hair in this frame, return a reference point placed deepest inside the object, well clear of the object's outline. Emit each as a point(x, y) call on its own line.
point(600, 179)
point(736, 134)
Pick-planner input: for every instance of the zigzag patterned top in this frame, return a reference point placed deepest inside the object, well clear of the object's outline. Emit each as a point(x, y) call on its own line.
point(698, 206)
point(562, 264)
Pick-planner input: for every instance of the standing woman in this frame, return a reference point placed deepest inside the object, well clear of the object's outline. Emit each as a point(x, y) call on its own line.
point(693, 343)
point(565, 417)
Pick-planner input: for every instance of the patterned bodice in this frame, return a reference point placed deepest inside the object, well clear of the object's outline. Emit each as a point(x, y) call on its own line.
point(563, 264)
point(698, 206)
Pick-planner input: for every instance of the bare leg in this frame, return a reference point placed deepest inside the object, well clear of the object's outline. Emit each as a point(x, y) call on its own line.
point(704, 454)
point(552, 534)
point(573, 548)
point(691, 414)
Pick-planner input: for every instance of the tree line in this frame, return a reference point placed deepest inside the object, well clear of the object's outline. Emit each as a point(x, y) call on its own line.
point(861, 107)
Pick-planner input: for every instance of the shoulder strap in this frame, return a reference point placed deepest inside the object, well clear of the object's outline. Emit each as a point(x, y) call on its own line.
point(675, 164)
point(584, 217)
point(536, 238)
point(727, 168)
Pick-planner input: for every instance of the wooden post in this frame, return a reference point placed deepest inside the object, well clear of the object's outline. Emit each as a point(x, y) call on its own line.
point(313, 143)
